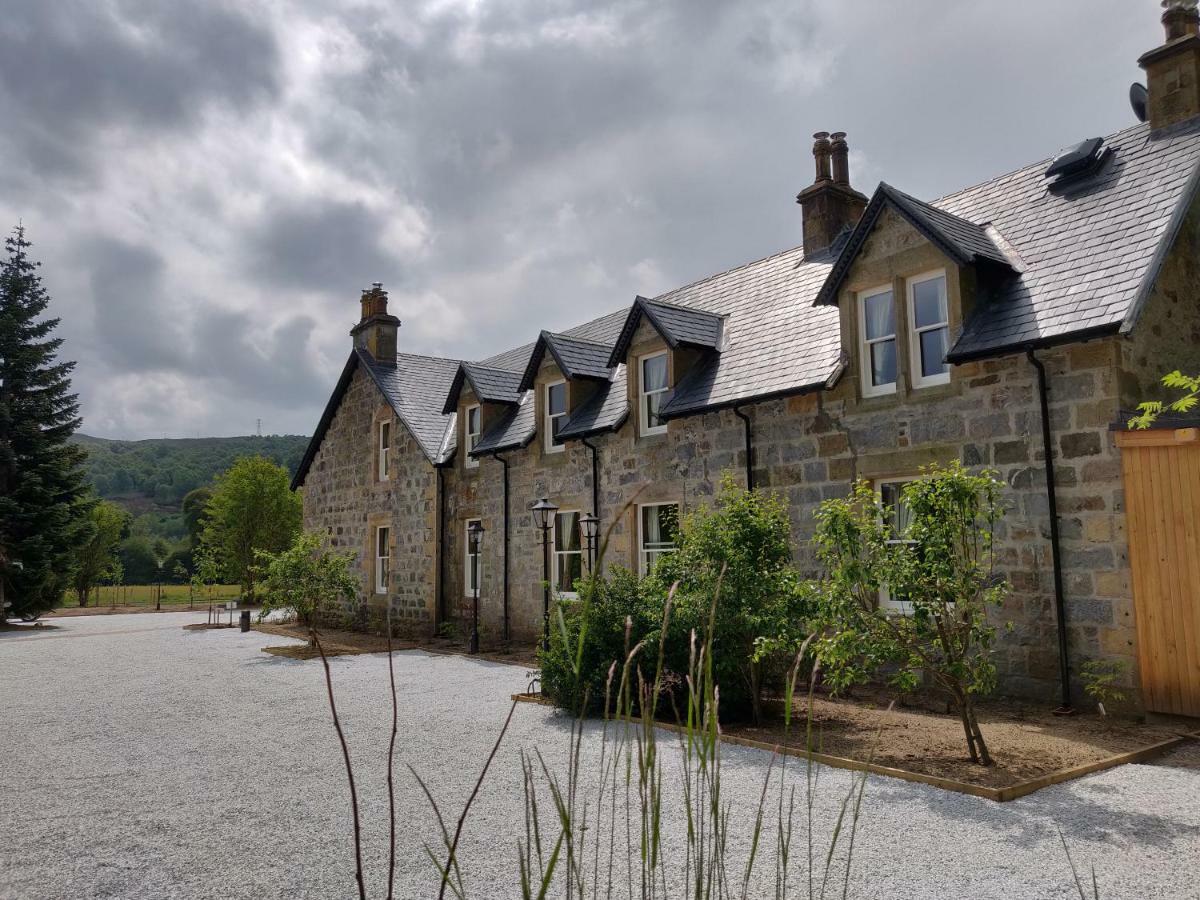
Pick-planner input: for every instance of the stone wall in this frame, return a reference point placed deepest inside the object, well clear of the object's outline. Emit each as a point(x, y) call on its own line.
point(345, 500)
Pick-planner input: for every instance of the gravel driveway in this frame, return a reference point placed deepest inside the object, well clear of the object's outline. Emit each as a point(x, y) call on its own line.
point(144, 761)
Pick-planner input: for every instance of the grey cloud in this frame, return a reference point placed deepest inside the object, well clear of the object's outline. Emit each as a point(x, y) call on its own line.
point(131, 306)
point(70, 70)
point(329, 245)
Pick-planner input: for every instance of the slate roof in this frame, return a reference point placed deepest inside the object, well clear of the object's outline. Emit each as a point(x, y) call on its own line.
point(575, 357)
point(1090, 252)
point(491, 385)
point(1064, 263)
point(516, 429)
point(606, 410)
point(413, 387)
point(678, 325)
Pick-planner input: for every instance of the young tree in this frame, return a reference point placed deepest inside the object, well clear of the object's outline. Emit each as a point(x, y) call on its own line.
point(308, 578)
point(96, 559)
point(940, 564)
point(43, 502)
point(252, 509)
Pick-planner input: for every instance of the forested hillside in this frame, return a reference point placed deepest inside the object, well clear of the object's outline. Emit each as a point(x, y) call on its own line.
point(163, 471)
point(151, 477)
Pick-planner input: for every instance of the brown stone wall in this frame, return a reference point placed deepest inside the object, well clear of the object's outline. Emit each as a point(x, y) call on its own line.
point(811, 448)
point(1166, 335)
point(344, 500)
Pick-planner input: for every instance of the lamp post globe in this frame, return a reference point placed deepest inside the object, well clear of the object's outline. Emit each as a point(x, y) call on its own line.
point(590, 525)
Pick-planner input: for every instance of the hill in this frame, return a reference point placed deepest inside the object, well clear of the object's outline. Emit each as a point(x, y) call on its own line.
point(151, 477)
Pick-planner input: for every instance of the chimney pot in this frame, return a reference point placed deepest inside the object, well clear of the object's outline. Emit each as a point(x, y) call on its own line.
point(821, 155)
point(1180, 18)
point(840, 152)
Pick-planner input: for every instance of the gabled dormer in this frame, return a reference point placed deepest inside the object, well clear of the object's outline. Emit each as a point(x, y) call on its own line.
point(661, 343)
point(906, 278)
point(565, 374)
point(482, 397)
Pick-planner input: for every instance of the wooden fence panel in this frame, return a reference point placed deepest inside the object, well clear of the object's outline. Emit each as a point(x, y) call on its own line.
point(1161, 470)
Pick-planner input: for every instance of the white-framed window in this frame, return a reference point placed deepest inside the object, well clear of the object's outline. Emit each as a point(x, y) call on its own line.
point(383, 558)
point(472, 429)
point(658, 527)
point(929, 318)
point(652, 390)
point(877, 327)
point(567, 550)
point(556, 415)
point(897, 519)
point(472, 573)
point(385, 448)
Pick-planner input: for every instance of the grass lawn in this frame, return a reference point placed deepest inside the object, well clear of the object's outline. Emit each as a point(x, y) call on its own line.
point(144, 595)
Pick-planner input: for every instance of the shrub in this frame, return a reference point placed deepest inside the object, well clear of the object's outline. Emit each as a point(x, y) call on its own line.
point(589, 635)
point(940, 563)
point(739, 553)
point(308, 578)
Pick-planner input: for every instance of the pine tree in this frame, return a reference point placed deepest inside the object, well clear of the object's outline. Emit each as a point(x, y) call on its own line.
point(43, 500)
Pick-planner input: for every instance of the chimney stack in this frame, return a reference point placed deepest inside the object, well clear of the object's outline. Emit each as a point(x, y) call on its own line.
point(829, 204)
point(1173, 69)
point(376, 330)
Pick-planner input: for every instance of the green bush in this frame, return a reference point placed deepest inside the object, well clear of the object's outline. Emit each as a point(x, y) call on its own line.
point(737, 553)
point(589, 635)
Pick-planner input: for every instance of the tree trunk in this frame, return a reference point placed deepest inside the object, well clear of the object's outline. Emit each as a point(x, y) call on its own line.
point(83, 597)
point(985, 758)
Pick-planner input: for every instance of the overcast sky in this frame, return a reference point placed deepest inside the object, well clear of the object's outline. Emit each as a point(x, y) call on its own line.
point(210, 185)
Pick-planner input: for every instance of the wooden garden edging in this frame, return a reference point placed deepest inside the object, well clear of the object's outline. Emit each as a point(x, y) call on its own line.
point(1000, 795)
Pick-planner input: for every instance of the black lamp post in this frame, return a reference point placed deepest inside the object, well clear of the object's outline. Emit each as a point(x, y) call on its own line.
point(475, 538)
point(158, 592)
point(543, 518)
point(591, 534)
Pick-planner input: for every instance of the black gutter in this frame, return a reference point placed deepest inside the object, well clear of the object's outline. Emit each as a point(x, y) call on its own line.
point(595, 476)
point(504, 462)
point(1060, 608)
point(1071, 337)
point(800, 391)
point(737, 411)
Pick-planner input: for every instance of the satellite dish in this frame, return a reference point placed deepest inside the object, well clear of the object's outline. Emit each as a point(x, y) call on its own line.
point(1138, 96)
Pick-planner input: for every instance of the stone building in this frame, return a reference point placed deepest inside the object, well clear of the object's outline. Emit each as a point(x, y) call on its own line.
point(1004, 323)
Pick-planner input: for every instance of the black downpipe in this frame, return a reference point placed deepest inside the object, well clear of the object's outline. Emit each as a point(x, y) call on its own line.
point(441, 545)
point(595, 476)
point(504, 462)
point(1060, 606)
point(737, 411)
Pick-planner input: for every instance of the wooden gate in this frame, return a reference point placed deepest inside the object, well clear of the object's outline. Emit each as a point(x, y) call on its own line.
point(1161, 471)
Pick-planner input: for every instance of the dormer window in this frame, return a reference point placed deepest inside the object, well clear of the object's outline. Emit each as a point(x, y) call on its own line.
point(555, 415)
point(472, 430)
point(877, 325)
point(385, 447)
point(929, 316)
point(652, 389)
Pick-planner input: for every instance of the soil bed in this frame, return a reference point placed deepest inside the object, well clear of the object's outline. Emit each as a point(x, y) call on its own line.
point(338, 642)
point(1025, 741)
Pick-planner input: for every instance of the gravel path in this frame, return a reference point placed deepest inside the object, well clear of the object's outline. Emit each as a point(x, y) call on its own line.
point(144, 761)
